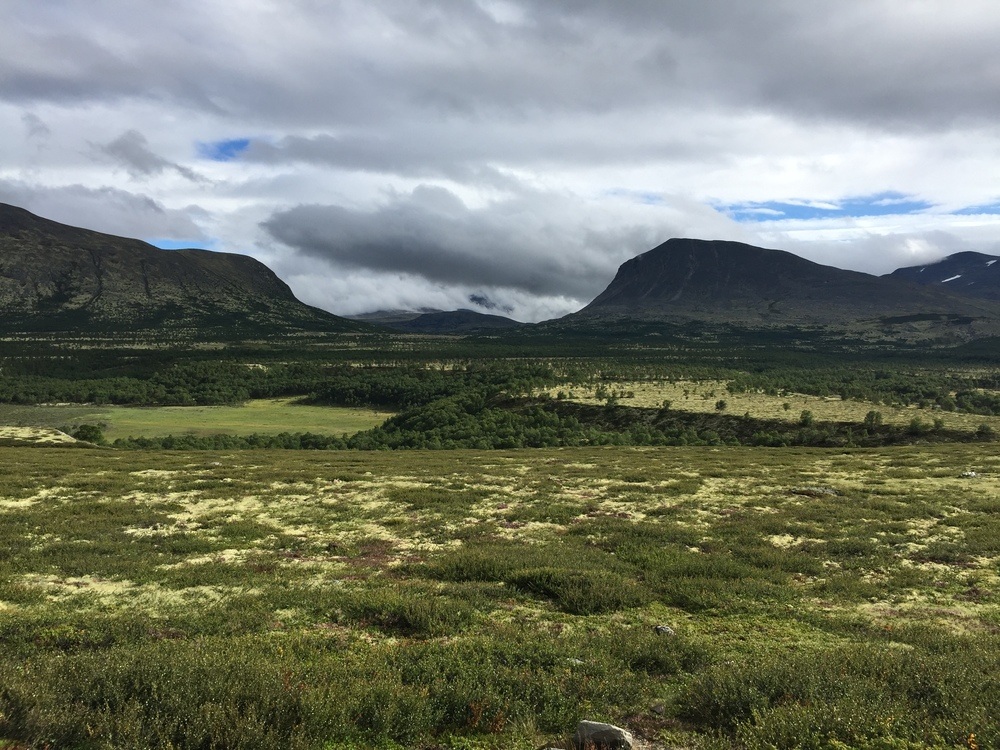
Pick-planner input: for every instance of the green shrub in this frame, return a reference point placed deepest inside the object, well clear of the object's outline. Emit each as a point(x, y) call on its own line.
point(860, 696)
point(581, 592)
point(90, 433)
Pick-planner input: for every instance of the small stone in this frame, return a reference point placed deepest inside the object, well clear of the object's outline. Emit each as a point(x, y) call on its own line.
point(969, 474)
point(658, 708)
point(664, 630)
point(593, 735)
point(814, 491)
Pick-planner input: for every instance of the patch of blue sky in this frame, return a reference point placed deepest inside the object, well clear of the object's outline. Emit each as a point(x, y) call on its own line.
point(225, 150)
point(980, 210)
point(880, 204)
point(166, 243)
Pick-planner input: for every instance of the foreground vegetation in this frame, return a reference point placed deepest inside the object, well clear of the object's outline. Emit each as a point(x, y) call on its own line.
point(720, 541)
point(471, 599)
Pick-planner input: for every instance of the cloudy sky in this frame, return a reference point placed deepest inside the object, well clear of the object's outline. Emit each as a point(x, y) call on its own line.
point(505, 154)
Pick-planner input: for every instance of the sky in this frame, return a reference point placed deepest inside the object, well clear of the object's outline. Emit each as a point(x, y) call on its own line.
point(505, 156)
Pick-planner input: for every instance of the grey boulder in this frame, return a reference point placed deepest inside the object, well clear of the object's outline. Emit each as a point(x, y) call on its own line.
point(593, 735)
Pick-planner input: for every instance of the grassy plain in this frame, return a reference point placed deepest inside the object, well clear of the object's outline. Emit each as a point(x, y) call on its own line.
point(702, 396)
point(476, 599)
point(263, 416)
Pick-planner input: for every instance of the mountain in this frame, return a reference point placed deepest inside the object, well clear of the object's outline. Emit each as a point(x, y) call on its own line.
point(388, 317)
point(730, 282)
point(968, 274)
point(55, 277)
point(455, 321)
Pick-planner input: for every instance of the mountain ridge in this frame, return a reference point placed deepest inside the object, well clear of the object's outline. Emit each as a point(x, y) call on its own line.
point(967, 273)
point(455, 322)
point(57, 277)
point(686, 280)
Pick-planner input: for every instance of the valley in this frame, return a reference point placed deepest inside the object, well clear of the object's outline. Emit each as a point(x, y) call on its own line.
point(763, 522)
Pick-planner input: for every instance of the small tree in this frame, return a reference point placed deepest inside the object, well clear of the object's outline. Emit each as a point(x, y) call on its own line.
point(90, 433)
point(873, 419)
point(721, 405)
point(806, 418)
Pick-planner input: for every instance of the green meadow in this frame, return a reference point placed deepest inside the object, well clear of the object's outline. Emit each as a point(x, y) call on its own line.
point(260, 416)
point(491, 599)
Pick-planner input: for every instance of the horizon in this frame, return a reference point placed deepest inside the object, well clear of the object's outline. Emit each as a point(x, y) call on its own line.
point(486, 306)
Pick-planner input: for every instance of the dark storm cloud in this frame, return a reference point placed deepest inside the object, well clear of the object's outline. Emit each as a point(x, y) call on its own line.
point(518, 244)
point(353, 63)
point(131, 151)
point(881, 63)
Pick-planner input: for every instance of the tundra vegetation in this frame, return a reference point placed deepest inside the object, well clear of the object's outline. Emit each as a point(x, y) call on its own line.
point(827, 583)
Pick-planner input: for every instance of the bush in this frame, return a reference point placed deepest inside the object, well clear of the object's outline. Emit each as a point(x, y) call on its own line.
point(90, 433)
point(582, 592)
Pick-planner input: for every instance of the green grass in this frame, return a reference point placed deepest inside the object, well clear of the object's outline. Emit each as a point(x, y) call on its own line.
point(491, 599)
point(264, 416)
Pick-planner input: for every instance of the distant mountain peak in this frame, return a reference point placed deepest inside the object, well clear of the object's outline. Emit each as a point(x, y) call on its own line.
point(967, 273)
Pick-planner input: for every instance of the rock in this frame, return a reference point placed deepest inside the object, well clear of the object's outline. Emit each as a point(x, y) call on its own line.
point(814, 491)
point(658, 708)
point(664, 630)
point(968, 474)
point(593, 735)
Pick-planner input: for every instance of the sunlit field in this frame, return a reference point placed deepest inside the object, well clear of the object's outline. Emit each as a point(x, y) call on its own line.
point(704, 397)
point(491, 599)
point(262, 416)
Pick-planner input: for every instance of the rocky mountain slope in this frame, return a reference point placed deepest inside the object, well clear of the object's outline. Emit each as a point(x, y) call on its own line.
point(61, 278)
point(734, 283)
point(968, 274)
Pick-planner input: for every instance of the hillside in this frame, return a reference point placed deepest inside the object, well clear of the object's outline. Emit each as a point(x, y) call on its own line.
point(686, 280)
point(455, 322)
point(968, 274)
point(55, 277)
